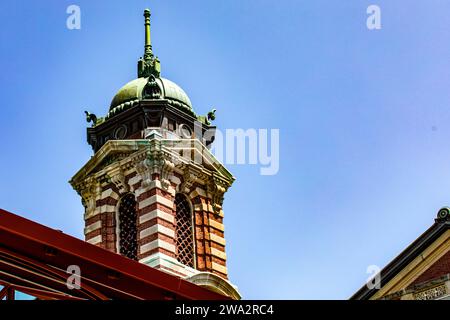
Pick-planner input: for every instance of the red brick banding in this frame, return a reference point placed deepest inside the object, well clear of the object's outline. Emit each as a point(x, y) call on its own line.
point(154, 221)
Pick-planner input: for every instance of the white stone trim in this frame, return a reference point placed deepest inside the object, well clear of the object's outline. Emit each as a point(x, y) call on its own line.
point(155, 199)
point(157, 228)
point(158, 243)
point(109, 193)
point(153, 184)
point(175, 179)
point(134, 180)
point(215, 283)
point(95, 240)
point(217, 239)
point(218, 253)
point(202, 207)
point(216, 225)
point(197, 192)
point(92, 227)
point(103, 209)
point(159, 260)
point(157, 214)
point(219, 267)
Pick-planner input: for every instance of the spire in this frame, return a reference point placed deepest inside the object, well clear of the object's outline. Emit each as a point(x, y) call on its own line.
point(148, 64)
point(148, 41)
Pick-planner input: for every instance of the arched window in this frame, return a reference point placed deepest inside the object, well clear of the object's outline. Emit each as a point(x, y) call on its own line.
point(127, 227)
point(184, 231)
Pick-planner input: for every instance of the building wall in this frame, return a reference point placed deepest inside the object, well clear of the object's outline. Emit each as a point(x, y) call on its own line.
point(154, 186)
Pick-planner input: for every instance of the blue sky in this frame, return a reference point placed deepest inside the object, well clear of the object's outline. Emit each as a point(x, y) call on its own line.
point(363, 118)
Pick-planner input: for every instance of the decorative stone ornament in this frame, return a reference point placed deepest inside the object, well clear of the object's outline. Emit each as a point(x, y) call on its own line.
point(155, 163)
point(117, 176)
point(151, 89)
point(120, 132)
point(443, 214)
point(216, 191)
point(89, 189)
point(143, 168)
point(189, 177)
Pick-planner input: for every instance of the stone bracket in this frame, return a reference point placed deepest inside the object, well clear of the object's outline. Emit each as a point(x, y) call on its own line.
point(216, 189)
point(156, 162)
point(190, 176)
point(117, 177)
point(89, 190)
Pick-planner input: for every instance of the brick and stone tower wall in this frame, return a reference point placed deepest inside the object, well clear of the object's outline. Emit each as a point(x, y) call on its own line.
point(171, 204)
point(152, 191)
point(154, 176)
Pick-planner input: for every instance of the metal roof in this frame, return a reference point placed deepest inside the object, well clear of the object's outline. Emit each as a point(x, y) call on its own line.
point(441, 224)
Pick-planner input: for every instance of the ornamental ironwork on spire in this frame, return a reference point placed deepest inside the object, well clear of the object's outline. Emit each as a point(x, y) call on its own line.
point(148, 64)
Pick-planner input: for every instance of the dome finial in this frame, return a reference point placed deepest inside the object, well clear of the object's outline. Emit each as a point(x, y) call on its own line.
point(148, 64)
point(148, 42)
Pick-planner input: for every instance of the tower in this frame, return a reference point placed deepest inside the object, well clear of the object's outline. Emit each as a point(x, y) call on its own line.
point(153, 191)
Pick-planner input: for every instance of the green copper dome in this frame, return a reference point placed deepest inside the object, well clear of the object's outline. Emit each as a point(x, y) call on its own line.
point(150, 86)
point(133, 92)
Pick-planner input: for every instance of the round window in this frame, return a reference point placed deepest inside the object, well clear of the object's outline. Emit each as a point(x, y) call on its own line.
point(120, 132)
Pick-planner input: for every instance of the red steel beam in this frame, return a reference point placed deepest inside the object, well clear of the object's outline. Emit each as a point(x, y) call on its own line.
point(10, 294)
point(27, 270)
point(4, 292)
point(44, 294)
point(108, 273)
